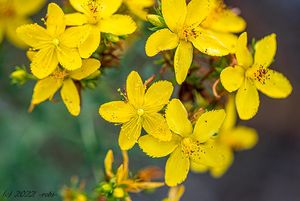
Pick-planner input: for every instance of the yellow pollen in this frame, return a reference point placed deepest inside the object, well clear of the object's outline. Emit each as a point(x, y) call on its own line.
point(55, 41)
point(140, 112)
point(189, 146)
point(187, 33)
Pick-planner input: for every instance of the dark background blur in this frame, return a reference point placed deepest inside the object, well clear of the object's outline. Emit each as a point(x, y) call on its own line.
point(42, 150)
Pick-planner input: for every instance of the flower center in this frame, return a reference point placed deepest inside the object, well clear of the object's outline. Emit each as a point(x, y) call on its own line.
point(59, 74)
point(260, 74)
point(188, 32)
point(189, 146)
point(140, 112)
point(55, 41)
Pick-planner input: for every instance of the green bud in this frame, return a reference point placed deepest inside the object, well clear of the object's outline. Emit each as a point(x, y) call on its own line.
point(106, 187)
point(156, 20)
point(19, 76)
point(112, 38)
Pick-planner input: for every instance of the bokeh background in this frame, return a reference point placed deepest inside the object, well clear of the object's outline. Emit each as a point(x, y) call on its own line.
point(42, 150)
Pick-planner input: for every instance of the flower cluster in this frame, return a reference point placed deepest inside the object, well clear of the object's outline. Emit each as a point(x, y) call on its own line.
point(202, 41)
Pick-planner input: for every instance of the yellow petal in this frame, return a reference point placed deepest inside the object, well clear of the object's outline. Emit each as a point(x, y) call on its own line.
point(27, 7)
point(155, 148)
point(78, 5)
point(136, 187)
point(240, 138)
point(230, 110)
point(70, 96)
point(177, 118)
point(55, 20)
point(208, 124)
point(158, 95)
point(69, 58)
point(156, 125)
point(219, 171)
point(74, 36)
point(116, 112)
point(118, 25)
point(120, 174)
point(44, 62)
point(211, 154)
point(130, 133)
point(183, 60)
point(247, 100)
point(175, 193)
point(211, 43)
point(109, 7)
point(125, 163)
point(177, 168)
point(11, 33)
point(232, 78)
point(45, 89)
point(197, 11)
point(227, 21)
point(108, 161)
point(75, 19)
point(243, 55)
point(265, 51)
point(276, 85)
point(135, 89)
point(138, 7)
point(198, 167)
point(34, 35)
point(174, 13)
point(161, 40)
point(92, 42)
point(89, 66)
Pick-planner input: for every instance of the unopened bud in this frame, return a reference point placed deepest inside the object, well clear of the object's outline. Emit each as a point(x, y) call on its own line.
point(156, 20)
point(119, 193)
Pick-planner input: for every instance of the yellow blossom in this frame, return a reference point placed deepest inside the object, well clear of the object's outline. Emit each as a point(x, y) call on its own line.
point(175, 193)
point(120, 184)
point(98, 16)
point(14, 13)
point(252, 74)
point(184, 31)
point(187, 144)
point(223, 19)
point(141, 109)
point(47, 87)
point(54, 45)
point(232, 138)
point(138, 7)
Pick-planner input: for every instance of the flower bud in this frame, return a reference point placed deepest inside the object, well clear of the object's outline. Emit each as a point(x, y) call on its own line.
point(156, 20)
point(118, 193)
point(19, 76)
point(106, 187)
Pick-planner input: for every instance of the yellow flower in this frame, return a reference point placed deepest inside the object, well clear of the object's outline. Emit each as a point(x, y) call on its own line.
point(187, 144)
point(98, 16)
point(140, 110)
point(184, 31)
point(137, 7)
point(120, 184)
point(223, 19)
point(56, 44)
point(14, 13)
point(251, 74)
point(47, 87)
point(232, 138)
point(175, 193)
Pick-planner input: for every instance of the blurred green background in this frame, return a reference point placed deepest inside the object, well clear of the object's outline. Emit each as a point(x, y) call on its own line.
point(43, 149)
